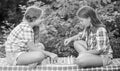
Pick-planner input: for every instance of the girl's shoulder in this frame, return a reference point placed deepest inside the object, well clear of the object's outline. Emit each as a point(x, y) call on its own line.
point(101, 31)
point(25, 26)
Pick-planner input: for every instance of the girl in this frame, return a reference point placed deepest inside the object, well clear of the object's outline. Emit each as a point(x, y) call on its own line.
point(20, 46)
point(96, 49)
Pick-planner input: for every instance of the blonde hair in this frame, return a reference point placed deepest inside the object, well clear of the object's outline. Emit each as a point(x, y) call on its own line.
point(32, 12)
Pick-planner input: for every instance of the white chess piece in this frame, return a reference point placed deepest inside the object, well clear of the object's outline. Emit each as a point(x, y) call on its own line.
point(68, 60)
point(71, 60)
point(65, 60)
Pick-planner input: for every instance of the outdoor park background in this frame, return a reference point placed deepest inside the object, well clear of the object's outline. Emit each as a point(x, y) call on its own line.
point(60, 22)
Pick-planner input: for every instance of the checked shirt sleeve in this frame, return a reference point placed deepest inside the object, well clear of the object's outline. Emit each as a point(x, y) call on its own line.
point(27, 34)
point(101, 39)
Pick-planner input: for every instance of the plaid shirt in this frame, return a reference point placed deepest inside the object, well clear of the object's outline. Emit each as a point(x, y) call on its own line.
point(99, 40)
point(18, 38)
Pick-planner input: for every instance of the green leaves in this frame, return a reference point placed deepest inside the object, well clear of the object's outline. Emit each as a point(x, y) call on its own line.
point(106, 1)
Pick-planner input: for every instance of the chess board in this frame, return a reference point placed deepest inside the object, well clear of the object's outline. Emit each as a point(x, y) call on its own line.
point(61, 66)
point(60, 61)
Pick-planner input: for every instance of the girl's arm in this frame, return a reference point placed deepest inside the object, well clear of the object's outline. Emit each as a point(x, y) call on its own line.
point(68, 40)
point(79, 35)
point(35, 47)
point(50, 54)
point(74, 37)
point(40, 47)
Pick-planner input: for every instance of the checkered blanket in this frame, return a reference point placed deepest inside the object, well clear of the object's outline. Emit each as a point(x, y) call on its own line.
point(115, 66)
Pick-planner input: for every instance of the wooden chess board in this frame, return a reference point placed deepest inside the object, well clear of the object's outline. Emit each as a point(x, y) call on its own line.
point(60, 61)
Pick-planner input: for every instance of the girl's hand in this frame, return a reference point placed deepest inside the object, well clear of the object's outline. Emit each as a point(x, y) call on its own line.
point(53, 55)
point(54, 58)
point(67, 41)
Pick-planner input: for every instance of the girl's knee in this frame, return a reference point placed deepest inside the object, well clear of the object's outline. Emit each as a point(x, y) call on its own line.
point(80, 44)
point(30, 57)
point(81, 63)
point(81, 60)
point(76, 43)
point(82, 55)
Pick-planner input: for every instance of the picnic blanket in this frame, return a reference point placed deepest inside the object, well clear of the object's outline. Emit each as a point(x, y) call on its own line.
point(115, 66)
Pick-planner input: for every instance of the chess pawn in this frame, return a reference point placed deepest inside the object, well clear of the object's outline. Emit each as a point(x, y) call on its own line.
point(59, 61)
point(64, 60)
point(48, 60)
point(71, 60)
point(68, 58)
point(51, 61)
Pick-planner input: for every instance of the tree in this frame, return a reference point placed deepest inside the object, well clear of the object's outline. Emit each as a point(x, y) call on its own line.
point(11, 13)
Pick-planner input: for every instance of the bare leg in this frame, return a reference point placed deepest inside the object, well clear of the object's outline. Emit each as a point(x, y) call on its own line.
point(89, 60)
point(30, 57)
point(80, 46)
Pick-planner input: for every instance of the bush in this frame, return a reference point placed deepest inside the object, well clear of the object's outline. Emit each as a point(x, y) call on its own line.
point(63, 23)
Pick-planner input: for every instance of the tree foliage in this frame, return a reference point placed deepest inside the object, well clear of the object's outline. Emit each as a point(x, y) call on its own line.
point(63, 23)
